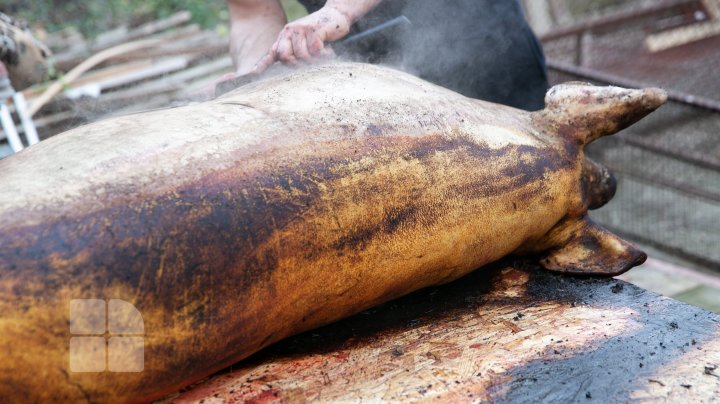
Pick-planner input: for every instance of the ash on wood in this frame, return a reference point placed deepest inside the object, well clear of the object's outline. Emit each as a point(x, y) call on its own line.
point(508, 333)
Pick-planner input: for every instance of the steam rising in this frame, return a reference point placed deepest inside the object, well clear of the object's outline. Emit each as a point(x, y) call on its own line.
point(480, 48)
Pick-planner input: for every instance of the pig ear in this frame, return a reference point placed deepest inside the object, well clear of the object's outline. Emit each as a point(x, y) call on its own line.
point(592, 250)
point(584, 112)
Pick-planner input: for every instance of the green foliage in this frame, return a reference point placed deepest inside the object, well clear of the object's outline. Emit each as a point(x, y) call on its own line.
point(293, 9)
point(92, 17)
point(207, 13)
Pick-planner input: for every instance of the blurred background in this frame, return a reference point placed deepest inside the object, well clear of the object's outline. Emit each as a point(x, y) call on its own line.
point(668, 166)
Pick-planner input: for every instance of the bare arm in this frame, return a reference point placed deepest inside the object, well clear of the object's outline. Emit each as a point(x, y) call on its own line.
point(305, 38)
point(353, 10)
point(254, 27)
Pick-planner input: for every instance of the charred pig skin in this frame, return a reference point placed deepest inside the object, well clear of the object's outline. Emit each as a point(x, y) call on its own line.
point(285, 205)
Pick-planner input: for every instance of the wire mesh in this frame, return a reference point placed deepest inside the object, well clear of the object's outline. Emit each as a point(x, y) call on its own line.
point(668, 166)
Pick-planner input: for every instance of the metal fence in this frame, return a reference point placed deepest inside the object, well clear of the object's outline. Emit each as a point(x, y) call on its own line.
point(668, 166)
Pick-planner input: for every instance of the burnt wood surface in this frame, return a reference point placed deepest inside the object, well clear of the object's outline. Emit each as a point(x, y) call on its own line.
point(509, 333)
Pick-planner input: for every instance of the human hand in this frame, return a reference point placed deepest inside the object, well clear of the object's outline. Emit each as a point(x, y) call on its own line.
point(304, 40)
point(254, 27)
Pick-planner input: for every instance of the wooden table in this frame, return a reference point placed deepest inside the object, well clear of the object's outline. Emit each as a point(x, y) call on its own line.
point(508, 333)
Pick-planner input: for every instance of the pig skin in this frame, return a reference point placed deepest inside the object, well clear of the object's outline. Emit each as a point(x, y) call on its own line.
point(284, 205)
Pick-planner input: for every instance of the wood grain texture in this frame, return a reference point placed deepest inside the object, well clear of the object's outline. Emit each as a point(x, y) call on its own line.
point(508, 333)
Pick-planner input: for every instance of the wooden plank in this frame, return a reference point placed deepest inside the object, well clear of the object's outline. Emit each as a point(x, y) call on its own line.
point(105, 73)
point(507, 333)
point(209, 48)
point(171, 87)
point(168, 83)
point(111, 37)
point(713, 8)
point(152, 27)
point(196, 44)
point(68, 59)
point(177, 85)
point(614, 20)
point(88, 64)
point(157, 68)
point(682, 36)
point(212, 68)
point(49, 120)
point(177, 38)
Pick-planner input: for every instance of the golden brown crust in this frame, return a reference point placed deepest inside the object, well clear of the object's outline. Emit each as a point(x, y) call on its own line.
point(286, 205)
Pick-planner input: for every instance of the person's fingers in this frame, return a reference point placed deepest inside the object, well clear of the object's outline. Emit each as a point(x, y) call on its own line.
point(285, 53)
point(226, 76)
point(267, 60)
point(264, 63)
point(314, 43)
point(300, 48)
point(274, 46)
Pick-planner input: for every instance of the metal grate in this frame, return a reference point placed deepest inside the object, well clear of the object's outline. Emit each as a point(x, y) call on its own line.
point(668, 165)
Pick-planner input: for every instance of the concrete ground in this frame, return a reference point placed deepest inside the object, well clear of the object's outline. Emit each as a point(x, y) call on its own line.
point(672, 277)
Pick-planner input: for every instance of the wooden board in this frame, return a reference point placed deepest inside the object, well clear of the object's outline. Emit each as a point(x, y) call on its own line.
point(508, 333)
point(682, 36)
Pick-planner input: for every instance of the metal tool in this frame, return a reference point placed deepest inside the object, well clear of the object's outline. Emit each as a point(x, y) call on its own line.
point(340, 47)
point(6, 119)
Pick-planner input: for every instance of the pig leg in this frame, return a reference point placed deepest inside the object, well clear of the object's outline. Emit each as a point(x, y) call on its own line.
point(589, 249)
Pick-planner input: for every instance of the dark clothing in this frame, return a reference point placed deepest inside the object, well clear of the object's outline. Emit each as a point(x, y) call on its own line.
point(312, 5)
point(480, 48)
